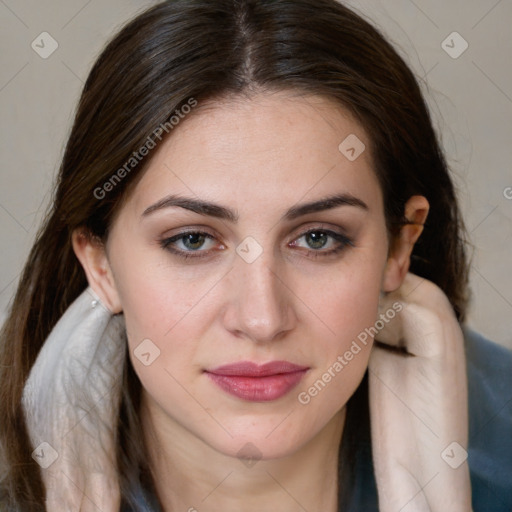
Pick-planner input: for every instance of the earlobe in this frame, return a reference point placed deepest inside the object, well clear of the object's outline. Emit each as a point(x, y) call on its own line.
point(399, 259)
point(91, 253)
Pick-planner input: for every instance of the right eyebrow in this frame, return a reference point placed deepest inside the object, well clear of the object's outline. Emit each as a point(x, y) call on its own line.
point(194, 205)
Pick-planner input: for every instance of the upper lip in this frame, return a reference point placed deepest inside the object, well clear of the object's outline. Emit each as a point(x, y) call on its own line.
point(250, 369)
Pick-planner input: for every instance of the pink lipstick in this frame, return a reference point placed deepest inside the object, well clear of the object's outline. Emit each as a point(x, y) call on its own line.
point(258, 383)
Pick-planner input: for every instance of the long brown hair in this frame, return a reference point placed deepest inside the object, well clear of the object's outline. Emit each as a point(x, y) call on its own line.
point(205, 49)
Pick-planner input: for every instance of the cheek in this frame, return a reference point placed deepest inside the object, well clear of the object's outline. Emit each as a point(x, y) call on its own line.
point(157, 296)
point(345, 298)
point(167, 312)
point(165, 320)
point(345, 303)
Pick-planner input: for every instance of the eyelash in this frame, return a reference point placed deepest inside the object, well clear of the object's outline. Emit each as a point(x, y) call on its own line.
point(343, 243)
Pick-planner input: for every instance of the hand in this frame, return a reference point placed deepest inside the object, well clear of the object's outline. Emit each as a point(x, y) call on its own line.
point(418, 403)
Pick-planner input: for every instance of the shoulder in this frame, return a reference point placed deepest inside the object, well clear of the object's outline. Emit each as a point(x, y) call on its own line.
point(489, 370)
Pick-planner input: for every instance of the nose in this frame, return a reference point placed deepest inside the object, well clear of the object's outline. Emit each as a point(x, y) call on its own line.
point(261, 304)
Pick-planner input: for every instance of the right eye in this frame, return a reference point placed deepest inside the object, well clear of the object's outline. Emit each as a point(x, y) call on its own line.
point(191, 244)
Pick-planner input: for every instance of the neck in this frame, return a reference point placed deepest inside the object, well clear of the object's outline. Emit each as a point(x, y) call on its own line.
point(190, 475)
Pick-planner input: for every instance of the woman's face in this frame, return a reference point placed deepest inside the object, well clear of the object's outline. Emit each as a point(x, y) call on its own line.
point(252, 238)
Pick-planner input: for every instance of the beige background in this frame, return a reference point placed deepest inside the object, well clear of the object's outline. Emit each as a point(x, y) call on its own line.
point(470, 97)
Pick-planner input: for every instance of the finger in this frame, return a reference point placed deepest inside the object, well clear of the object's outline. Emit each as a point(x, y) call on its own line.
point(390, 308)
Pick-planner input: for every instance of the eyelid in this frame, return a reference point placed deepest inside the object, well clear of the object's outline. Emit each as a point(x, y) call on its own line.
point(203, 230)
point(328, 232)
point(320, 226)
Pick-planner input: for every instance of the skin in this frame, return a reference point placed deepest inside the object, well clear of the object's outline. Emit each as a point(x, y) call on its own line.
point(259, 158)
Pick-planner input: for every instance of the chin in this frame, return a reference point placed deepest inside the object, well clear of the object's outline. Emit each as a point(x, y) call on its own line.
point(250, 449)
point(256, 439)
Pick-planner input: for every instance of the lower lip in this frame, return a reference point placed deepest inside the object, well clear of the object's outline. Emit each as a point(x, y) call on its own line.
point(258, 389)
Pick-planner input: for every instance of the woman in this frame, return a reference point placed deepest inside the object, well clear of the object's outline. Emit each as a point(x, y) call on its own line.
point(253, 220)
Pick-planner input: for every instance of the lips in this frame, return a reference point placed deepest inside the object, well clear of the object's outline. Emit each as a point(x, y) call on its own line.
point(258, 383)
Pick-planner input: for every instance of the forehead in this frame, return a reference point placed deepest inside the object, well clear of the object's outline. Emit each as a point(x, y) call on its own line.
point(253, 152)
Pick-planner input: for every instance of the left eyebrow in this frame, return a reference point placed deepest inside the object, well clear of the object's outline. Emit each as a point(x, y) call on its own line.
point(327, 203)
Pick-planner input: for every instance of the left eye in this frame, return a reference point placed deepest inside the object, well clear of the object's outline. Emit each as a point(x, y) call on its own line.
point(321, 240)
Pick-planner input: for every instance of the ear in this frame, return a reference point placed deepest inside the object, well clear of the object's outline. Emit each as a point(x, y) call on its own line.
point(91, 253)
point(399, 259)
